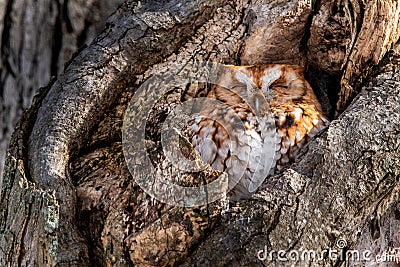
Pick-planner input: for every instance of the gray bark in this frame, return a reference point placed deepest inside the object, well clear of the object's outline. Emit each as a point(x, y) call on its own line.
point(37, 38)
point(68, 193)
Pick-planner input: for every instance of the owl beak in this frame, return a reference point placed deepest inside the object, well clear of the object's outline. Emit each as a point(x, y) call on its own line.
point(258, 103)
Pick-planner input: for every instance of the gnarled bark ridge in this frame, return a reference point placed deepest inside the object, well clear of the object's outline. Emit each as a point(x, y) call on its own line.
point(37, 38)
point(77, 203)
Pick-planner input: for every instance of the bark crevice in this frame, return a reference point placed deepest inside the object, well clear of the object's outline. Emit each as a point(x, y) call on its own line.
point(343, 177)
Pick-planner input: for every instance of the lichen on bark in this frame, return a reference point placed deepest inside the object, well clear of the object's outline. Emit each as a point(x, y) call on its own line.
point(346, 174)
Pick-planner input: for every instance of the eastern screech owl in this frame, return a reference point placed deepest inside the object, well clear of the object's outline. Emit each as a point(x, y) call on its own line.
point(296, 117)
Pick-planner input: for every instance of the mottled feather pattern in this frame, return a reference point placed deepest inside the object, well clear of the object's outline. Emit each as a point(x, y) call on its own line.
point(296, 117)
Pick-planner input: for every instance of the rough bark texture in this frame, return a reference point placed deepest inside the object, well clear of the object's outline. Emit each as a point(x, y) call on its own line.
point(375, 29)
point(69, 195)
point(37, 38)
point(343, 187)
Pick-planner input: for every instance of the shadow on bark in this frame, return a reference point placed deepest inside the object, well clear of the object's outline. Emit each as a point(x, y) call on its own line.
point(69, 199)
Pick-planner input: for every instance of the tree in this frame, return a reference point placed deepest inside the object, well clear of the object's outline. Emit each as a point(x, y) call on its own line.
point(37, 39)
point(68, 197)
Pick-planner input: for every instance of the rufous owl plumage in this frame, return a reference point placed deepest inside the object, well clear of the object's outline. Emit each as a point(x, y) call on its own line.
point(275, 105)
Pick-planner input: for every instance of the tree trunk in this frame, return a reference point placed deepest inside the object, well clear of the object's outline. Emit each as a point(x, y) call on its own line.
point(68, 197)
point(37, 38)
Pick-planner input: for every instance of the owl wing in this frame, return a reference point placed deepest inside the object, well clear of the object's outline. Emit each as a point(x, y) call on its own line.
point(244, 148)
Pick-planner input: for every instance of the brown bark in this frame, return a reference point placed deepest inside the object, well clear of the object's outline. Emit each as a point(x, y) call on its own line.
point(344, 187)
point(375, 29)
point(77, 203)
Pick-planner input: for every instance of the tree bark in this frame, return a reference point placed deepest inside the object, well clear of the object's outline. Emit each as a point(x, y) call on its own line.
point(37, 38)
point(68, 197)
point(344, 187)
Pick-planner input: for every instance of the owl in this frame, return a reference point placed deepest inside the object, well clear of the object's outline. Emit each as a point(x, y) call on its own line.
point(259, 119)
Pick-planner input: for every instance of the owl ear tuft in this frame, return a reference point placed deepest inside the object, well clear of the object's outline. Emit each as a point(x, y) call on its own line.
point(238, 68)
point(299, 70)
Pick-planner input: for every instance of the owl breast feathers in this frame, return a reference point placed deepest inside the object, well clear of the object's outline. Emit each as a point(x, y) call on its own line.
point(278, 114)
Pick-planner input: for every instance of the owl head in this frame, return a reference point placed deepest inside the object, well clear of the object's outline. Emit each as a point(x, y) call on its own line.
point(280, 84)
